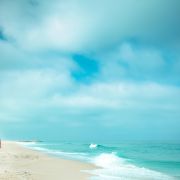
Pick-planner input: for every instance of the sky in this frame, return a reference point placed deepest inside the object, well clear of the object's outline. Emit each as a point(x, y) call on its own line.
point(99, 70)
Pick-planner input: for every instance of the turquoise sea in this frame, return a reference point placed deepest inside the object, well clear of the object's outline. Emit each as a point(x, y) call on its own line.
point(123, 160)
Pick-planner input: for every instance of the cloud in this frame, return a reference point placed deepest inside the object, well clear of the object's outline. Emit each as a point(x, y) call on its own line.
point(133, 62)
point(11, 56)
point(97, 64)
point(56, 93)
point(71, 26)
point(26, 89)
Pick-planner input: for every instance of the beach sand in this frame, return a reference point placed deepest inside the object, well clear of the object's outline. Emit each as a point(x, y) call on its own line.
point(20, 163)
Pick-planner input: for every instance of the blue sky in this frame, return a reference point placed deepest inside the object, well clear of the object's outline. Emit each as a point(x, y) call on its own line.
point(90, 70)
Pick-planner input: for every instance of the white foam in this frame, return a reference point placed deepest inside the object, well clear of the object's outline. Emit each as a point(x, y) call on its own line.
point(107, 160)
point(26, 143)
point(40, 149)
point(66, 155)
point(115, 168)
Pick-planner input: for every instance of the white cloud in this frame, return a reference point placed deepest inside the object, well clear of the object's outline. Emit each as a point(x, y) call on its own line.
point(118, 96)
point(131, 62)
point(144, 58)
point(90, 25)
point(50, 91)
point(57, 32)
point(133, 95)
point(24, 90)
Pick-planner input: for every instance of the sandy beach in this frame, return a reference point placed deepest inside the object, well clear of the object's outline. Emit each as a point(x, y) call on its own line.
point(19, 163)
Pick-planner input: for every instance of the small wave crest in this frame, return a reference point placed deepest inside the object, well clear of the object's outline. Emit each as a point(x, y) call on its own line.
point(102, 148)
point(93, 146)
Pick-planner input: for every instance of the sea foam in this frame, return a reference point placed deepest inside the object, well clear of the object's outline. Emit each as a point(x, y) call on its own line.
point(113, 167)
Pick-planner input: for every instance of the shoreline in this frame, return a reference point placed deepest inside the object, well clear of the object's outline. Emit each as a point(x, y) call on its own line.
point(19, 162)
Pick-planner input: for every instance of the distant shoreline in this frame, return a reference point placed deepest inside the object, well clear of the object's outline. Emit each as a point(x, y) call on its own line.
point(20, 162)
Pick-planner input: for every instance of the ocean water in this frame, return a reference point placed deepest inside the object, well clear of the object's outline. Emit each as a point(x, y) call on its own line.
point(121, 161)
